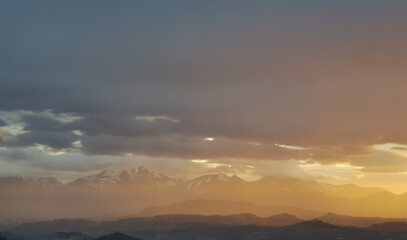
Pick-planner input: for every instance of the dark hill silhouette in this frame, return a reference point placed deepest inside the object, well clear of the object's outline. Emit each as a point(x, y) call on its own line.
point(315, 223)
point(63, 236)
point(10, 236)
point(390, 227)
point(154, 229)
point(117, 236)
point(157, 223)
point(166, 222)
point(50, 227)
point(344, 220)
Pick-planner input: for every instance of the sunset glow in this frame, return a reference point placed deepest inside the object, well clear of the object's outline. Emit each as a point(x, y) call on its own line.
point(136, 109)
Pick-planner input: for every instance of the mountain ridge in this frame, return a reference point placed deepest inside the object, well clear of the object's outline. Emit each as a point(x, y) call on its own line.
point(108, 177)
point(209, 207)
point(171, 227)
point(124, 193)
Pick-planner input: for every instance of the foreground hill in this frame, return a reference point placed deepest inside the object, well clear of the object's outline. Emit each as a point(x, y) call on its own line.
point(117, 236)
point(396, 227)
point(343, 220)
point(315, 230)
point(62, 236)
point(10, 236)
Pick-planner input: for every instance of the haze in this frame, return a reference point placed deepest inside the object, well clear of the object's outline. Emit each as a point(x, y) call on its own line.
point(310, 91)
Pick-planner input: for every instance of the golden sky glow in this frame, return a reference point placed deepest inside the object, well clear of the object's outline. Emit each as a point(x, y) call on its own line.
point(311, 91)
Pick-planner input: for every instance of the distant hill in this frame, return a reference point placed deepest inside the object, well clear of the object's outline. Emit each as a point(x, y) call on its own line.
point(390, 227)
point(176, 227)
point(226, 207)
point(343, 220)
point(51, 227)
point(62, 236)
point(166, 222)
point(157, 223)
point(117, 236)
point(10, 236)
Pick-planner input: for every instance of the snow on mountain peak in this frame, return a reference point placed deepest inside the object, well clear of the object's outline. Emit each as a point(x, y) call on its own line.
point(43, 182)
point(105, 177)
point(108, 174)
point(198, 182)
point(135, 175)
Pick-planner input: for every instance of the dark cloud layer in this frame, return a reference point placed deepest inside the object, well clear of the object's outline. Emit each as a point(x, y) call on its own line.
point(157, 78)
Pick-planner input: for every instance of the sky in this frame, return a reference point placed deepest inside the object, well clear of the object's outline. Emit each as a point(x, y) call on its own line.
point(305, 89)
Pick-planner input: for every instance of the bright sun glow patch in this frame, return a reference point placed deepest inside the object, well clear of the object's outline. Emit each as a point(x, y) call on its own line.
point(345, 165)
point(216, 165)
point(77, 132)
point(333, 173)
point(209, 139)
point(199, 160)
point(319, 166)
point(49, 151)
point(290, 147)
point(395, 148)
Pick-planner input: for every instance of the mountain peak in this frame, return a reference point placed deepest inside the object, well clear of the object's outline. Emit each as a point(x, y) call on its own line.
point(208, 180)
point(44, 182)
point(103, 178)
point(140, 175)
point(144, 172)
point(107, 173)
point(71, 235)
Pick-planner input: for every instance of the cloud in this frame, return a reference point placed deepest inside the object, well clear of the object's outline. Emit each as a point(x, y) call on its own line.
point(399, 148)
point(38, 122)
point(56, 140)
point(2, 123)
point(177, 146)
point(152, 80)
point(381, 162)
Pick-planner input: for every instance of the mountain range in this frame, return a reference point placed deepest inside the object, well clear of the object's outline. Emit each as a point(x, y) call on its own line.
point(115, 194)
point(141, 176)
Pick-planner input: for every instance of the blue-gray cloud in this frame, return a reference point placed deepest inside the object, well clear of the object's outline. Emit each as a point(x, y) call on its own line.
point(271, 73)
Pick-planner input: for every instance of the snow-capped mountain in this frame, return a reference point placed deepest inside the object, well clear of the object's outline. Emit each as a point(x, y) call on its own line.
point(139, 178)
point(138, 175)
point(29, 181)
point(44, 182)
point(112, 192)
point(146, 178)
point(104, 178)
point(143, 175)
point(214, 179)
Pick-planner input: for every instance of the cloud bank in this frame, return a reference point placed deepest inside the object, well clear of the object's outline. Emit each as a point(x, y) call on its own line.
point(266, 81)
